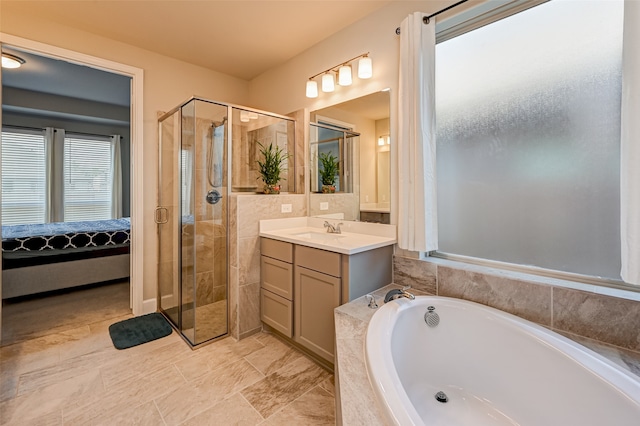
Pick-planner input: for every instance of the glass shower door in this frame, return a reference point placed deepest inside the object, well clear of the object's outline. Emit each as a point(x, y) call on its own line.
point(192, 217)
point(167, 213)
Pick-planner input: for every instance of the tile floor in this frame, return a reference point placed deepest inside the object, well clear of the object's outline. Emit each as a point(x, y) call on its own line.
point(58, 366)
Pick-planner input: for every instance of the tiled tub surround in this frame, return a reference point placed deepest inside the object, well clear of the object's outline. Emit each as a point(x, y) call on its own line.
point(548, 302)
point(355, 398)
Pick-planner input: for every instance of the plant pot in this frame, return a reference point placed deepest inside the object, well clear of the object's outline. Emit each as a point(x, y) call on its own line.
point(271, 189)
point(328, 189)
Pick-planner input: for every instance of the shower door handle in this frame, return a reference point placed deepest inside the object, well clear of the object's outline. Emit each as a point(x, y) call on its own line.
point(158, 215)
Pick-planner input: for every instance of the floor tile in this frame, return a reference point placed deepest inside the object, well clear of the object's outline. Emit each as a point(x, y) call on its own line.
point(315, 407)
point(275, 355)
point(71, 373)
point(232, 411)
point(284, 386)
point(196, 396)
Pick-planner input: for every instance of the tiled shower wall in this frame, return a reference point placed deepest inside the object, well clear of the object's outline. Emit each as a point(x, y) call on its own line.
point(606, 319)
point(245, 213)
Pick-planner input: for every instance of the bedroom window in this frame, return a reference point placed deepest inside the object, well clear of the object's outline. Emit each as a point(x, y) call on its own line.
point(23, 177)
point(88, 179)
point(528, 139)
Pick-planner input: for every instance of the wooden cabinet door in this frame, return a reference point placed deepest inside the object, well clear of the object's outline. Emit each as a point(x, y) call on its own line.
point(316, 296)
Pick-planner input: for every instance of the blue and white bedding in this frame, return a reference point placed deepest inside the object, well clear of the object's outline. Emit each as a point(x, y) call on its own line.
point(65, 235)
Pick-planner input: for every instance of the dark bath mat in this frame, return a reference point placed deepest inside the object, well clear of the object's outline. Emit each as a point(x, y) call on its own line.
point(136, 331)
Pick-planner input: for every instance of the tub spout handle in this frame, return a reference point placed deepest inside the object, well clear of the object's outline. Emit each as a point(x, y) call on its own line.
point(396, 293)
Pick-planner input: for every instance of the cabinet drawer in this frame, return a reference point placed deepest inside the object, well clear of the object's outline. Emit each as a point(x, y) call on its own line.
point(323, 261)
point(276, 312)
point(276, 249)
point(276, 276)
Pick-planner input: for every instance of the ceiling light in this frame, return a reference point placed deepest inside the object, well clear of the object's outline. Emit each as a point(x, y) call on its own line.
point(312, 89)
point(365, 68)
point(11, 61)
point(344, 75)
point(328, 82)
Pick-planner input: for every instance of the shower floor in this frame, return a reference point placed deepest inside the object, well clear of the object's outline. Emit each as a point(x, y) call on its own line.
point(210, 321)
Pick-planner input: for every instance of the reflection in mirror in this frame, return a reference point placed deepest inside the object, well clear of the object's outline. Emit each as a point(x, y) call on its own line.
point(250, 130)
point(331, 151)
point(362, 126)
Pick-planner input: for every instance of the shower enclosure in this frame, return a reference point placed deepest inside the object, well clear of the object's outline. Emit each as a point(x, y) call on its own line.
point(198, 142)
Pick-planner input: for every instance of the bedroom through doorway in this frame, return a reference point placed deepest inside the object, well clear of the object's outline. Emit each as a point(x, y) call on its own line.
point(66, 191)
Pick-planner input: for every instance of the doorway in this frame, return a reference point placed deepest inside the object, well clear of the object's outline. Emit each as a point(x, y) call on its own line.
point(134, 150)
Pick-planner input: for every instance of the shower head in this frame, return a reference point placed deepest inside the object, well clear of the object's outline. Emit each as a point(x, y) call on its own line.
point(215, 124)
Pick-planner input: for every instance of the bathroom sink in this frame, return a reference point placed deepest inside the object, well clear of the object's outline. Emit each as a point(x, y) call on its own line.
point(320, 236)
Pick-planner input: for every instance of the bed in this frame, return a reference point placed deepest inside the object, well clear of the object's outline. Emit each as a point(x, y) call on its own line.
point(39, 258)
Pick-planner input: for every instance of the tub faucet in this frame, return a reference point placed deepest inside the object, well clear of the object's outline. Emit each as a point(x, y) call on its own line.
point(397, 293)
point(331, 229)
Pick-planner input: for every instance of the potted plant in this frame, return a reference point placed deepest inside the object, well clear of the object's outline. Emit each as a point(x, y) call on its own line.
point(328, 172)
point(270, 167)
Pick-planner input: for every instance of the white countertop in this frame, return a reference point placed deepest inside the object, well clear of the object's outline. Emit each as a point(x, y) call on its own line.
point(356, 237)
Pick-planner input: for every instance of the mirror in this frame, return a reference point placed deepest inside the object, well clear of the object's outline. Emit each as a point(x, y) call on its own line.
point(356, 134)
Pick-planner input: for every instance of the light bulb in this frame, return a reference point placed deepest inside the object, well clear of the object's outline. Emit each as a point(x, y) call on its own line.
point(365, 68)
point(344, 75)
point(312, 89)
point(328, 83)
point(11, 61)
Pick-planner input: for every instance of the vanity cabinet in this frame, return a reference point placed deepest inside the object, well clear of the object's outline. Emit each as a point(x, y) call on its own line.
point(302, 285)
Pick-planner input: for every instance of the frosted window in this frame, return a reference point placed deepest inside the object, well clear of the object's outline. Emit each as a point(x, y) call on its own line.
point(528, 139)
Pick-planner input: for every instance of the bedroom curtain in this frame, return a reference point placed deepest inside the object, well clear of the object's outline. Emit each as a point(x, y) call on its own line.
point(116, 178)
point(630, 146)
point(54, 152)
point(417, 209)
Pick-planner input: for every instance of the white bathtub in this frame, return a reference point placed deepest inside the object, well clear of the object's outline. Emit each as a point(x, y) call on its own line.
point(495, 368)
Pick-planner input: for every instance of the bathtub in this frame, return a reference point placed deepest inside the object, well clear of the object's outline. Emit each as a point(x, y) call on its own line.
point(492, 367)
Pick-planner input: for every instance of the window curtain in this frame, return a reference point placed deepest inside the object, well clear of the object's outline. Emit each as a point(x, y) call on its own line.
point(630, 146)
point(116, 178)
point(417, 209)
point(54, 152)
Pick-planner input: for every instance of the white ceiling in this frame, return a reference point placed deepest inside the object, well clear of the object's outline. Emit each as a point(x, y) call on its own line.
point(240, 38)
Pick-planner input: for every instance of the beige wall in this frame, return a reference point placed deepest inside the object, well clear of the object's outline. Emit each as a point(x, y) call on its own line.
point(282, 89)
point(167, 83)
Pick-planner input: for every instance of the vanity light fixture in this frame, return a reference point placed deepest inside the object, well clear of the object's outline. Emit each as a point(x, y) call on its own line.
point(380, 141)
point(11, 61)
point(244, 116)
point(365, 68)
point(344, 75)
point(343, 70)
point(328, 82)
point(312, 89)
point(253, 115)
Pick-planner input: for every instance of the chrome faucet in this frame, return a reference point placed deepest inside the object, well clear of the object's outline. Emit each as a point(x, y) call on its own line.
point(397, 293)
point(333, 229)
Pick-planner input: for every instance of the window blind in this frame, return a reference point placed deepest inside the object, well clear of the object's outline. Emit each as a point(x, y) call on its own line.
point(87, 179)
point(23, 177)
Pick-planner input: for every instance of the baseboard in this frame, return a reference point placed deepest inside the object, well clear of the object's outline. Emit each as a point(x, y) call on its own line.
point(149, 306)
